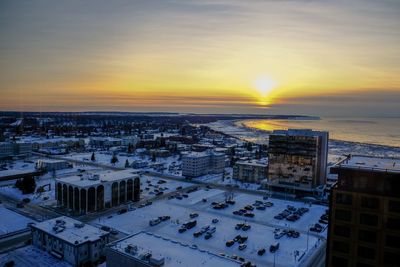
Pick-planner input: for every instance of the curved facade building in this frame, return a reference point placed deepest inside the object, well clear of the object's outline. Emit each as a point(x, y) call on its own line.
point(94, 192)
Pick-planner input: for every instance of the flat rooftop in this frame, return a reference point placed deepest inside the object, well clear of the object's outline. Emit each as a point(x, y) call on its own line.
point(299, 132)
point(70, 230)
point(202, 154)
point(254, 162)
point(370, 163)
point(174, 252)
point(52, 160)
point(43, 140)
point(92, 179)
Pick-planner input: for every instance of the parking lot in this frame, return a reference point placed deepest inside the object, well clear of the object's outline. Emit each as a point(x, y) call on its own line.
point(260, 239)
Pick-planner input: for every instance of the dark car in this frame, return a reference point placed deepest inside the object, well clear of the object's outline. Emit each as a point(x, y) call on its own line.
point(239, 226)
point(261, 252)
point(122, 211)
point(197, 234)
point(246, 227)
point(274, 247)
point(193, 215)
point(229, 243)
point(249, 214)
point(208, 236)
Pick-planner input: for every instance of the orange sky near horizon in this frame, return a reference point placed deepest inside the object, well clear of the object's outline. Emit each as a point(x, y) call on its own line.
point(188, 55)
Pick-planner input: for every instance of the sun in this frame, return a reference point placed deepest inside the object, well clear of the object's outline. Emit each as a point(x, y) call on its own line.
point(264, 85)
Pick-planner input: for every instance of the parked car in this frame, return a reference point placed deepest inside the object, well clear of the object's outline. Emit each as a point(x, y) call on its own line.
point(197, 234)
point(249, 214)
point(229, 243)
point(208, 235)
point(193, 215)
point(246, 227)
point(154, 222)
point(261, 251)
point(242, 246)
point(122, 211)
point(274, 247)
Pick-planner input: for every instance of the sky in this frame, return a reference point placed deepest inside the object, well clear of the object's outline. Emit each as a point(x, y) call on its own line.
point(321, 57)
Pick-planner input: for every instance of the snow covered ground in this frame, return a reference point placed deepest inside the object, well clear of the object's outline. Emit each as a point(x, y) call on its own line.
point(104, 157)
point(261, 234)
point(31, 256)
point(11, 221)
point(150, 185)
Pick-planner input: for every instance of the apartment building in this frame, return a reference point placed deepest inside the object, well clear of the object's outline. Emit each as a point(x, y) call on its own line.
point(70, 240)
point(196, 164)
point(364, 220)
point(250, 171)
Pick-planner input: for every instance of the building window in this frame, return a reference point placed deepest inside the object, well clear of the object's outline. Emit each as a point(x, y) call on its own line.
point(361, 264)
point(392, 241)
point(391, 258)
point(367, 236)
point(368, 219)
point(342, 231)
point(366, 253)
point(341, 246)
point(344, 199)
point(343, 215)
point(394, 206)
point(393, 223)
point(339, 261)
point(370, 202)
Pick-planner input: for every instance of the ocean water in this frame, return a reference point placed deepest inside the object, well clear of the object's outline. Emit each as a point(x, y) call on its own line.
point(380, 131)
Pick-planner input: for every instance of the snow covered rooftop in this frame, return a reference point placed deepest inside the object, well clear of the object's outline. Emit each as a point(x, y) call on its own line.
point(254, 162)
point(372, 163)
point(299, 132)
point(70, 230)
point(43, 140)
point(174, 253)
point(202, 154)
point(51, 160)
point(90, 179)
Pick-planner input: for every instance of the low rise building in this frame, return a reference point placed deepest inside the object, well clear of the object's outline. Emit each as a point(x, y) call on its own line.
point(52, 164)
point(70, 240)
point(13, 149)
point(105, 142)
point(148, 250)
point(250, 171)
point(202, 147)
point(39, 143)
point(94, 192)
point(195, 164)
point(130, 140)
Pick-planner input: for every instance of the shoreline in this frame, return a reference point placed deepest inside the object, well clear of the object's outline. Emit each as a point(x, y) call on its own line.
point(231, 128)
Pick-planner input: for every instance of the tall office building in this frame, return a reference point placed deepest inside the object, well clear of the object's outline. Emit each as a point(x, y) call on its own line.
point(364, 221)
point(297, 160)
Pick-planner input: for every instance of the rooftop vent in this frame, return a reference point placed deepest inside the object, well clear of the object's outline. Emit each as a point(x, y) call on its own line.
point(79, 225)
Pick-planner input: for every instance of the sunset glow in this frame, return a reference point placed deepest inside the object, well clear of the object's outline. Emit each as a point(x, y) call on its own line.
point(217, 57)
